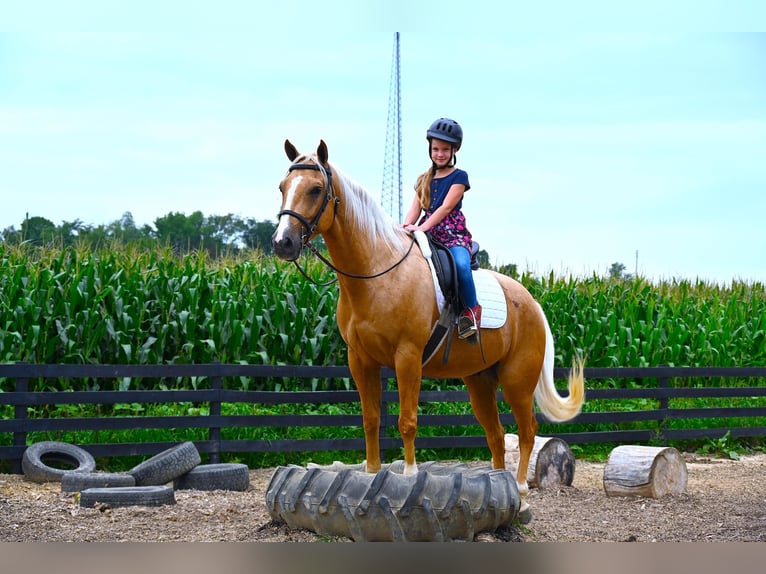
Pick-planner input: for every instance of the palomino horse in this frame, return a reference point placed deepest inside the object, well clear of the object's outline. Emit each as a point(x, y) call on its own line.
point(387, 308)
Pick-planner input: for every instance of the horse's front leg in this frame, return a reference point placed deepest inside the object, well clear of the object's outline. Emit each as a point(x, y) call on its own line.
point(408, 378)
point(367, 380)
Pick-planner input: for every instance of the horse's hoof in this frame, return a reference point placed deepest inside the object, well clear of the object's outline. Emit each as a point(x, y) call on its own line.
point(525, 516)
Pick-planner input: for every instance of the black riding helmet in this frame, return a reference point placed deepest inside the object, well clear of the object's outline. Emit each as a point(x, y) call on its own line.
point(446, 130)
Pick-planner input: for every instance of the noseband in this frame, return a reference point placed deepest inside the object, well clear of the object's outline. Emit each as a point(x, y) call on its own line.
point(312, 225)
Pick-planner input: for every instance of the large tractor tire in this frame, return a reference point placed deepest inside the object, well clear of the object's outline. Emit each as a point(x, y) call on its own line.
point(439, 503)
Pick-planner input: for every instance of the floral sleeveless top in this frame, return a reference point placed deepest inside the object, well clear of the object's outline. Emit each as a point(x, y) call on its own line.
point(451, 230)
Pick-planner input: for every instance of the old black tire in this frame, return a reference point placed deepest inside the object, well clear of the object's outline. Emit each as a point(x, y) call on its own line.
point(439, 503)
point(222, 476)
point(36, 458)
point(79, 481)
point(166, 466)
point(127, 496)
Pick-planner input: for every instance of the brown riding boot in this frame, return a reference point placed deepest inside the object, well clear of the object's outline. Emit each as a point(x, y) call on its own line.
point(468, 323)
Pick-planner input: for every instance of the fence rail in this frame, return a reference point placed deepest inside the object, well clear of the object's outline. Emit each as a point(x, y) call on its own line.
point(656, 384)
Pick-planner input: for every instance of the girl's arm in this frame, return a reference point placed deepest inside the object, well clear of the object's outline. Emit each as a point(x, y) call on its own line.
point(454, 195)
point(413, 213)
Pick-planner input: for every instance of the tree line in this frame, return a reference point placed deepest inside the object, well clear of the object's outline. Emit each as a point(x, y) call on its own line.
point(216, 234)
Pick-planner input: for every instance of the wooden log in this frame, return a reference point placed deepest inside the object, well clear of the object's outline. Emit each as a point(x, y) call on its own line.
point(647, 471)
point(550, 465)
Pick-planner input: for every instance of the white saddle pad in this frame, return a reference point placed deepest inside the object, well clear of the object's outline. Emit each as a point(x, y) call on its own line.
point(490, 296)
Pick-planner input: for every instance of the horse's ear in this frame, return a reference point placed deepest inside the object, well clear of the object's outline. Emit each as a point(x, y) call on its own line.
point(322, 152)
point(290, 150)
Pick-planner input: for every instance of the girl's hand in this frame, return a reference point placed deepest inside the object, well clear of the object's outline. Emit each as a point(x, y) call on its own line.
point(410, 227)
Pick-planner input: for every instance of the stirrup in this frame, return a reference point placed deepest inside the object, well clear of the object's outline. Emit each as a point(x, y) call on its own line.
point(468, 322)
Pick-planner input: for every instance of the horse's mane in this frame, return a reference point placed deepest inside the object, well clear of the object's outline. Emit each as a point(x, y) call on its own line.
point(366, 215)
point(363, 212)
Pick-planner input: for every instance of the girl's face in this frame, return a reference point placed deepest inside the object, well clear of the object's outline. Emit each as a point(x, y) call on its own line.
point(441, 152)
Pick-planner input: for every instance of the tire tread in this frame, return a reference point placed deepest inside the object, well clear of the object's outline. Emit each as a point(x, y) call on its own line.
point(440, 503)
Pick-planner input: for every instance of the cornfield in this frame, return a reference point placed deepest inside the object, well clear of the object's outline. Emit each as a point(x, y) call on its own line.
point(127, 306)
point(124, 305)
point(635, 323)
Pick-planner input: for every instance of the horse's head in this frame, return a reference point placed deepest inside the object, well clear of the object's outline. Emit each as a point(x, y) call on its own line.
point(307, 192)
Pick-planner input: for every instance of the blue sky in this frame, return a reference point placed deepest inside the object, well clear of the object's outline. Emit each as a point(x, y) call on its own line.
point(584, 146)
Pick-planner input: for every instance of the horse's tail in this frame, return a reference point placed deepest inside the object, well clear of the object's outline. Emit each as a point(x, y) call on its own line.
point(553, 405)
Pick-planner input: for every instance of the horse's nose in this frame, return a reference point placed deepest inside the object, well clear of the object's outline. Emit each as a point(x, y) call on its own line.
point(285, 248)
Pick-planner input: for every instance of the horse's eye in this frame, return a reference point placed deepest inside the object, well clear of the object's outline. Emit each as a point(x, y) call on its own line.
point(316, 190)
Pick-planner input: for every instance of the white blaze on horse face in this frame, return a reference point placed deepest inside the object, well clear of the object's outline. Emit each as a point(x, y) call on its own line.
point(284, 220)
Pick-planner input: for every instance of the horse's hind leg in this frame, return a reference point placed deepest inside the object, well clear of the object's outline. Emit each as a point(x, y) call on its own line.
point(523, 412)
point(518, 383)
point(482, 389)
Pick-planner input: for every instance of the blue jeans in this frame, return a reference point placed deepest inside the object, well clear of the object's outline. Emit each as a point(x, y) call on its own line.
point(464, 275)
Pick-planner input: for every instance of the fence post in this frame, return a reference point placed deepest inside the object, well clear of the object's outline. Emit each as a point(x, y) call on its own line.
point(663, 382)
point(20, 415)
point(214, 431)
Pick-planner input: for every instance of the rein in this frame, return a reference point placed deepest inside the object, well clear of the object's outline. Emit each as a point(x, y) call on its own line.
point(327, 262)
point(311, 226)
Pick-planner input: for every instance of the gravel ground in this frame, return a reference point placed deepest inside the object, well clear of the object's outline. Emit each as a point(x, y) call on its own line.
point(725, 500)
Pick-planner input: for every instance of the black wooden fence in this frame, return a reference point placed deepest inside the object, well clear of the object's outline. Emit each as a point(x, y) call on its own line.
point(662, 387)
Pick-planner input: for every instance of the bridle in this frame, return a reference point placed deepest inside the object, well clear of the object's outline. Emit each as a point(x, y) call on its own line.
point(310, 227)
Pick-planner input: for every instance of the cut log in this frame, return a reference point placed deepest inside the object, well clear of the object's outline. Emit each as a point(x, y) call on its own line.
point(550, 465)
point(647, 471)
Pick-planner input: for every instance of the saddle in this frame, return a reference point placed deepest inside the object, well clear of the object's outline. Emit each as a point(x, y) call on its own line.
point(446, 274)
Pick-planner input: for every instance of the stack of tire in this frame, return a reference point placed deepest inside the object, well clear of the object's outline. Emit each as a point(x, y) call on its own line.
point(147, 484)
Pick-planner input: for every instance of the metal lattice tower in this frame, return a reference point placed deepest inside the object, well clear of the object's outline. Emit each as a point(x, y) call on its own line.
point(391, 196)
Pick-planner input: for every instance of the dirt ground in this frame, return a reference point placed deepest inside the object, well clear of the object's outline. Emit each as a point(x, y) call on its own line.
point(725, 500)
